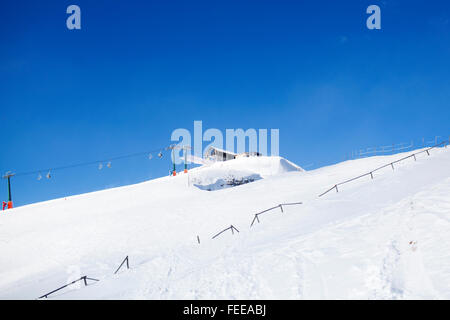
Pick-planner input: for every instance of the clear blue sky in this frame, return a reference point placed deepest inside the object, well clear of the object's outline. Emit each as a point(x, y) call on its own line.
point(137, 70)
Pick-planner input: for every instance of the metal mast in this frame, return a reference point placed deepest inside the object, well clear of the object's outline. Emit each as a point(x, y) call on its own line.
point(8, 176)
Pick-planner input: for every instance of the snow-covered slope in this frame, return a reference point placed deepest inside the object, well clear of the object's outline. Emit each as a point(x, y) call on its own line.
point(383, 238)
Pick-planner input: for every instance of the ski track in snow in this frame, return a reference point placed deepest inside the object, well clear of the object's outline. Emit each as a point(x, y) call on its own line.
point(386, 238)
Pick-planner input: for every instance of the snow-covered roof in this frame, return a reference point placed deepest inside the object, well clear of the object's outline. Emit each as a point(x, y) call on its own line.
point(220, 150)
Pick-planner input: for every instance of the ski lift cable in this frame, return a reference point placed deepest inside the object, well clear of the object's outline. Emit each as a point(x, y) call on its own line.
point(82, 164)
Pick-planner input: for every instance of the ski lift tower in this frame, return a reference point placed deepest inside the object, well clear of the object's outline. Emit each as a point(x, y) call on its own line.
point(185, 148)
point(8, 176)
point(173, 148)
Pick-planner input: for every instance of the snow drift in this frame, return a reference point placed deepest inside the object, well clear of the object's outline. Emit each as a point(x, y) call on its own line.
point(219, 175)
point(386, 238)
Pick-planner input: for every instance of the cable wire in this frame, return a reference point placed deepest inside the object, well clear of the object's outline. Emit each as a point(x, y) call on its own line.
point(82, 164)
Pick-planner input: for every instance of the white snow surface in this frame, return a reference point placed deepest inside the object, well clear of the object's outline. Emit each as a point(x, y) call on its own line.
point(386, 238)
point(218, 175)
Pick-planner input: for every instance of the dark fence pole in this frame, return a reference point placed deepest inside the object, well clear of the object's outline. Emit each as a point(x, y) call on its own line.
point(254, 219)
point(291, 203)
point(124, 260)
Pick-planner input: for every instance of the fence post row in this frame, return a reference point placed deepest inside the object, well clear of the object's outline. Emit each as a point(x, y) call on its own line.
point(256, 217)
point(230, 227)
point(84, 278)
point(391, 164)
point(395, 147)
